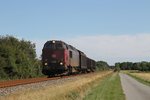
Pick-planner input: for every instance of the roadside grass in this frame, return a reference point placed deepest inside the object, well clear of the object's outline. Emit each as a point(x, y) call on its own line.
point(108, 89)
point(143, 77)
point(74, 90)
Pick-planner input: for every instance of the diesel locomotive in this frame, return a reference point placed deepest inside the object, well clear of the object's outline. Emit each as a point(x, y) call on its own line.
point(59, 58)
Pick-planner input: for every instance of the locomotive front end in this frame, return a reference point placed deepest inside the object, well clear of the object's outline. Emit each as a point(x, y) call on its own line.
point(54, 58)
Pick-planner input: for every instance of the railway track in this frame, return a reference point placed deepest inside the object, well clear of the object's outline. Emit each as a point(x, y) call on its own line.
point(23, 81)
point(12, 83)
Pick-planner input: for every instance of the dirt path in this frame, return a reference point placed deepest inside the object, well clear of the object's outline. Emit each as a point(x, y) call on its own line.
point(133, 89)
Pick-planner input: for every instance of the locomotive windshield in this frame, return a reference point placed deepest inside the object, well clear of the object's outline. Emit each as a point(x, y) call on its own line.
point(53, 45)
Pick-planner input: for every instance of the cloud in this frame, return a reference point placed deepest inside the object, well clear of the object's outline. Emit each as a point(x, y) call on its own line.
point(110, 48)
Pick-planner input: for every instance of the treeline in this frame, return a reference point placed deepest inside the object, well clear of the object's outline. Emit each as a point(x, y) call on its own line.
point(18, 59)
point(141, 66)
point(102, 65)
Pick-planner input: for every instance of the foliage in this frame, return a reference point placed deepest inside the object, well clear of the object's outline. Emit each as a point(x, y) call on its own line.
point(141, 66)
point(117, 68)
point(18, 59)
point(102, 65)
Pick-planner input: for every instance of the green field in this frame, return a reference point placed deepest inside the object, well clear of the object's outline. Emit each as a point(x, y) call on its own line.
point(108, 89)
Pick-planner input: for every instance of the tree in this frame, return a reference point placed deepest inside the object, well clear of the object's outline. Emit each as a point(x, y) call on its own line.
point(102, 65)
point(141, 66)
point(17, 58)
point(117, 67)
point(144, 66)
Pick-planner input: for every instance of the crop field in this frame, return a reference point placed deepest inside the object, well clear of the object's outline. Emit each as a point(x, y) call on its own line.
point(75, 89)
point(143, 77)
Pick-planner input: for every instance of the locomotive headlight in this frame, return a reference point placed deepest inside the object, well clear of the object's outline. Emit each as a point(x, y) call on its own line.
point(45, 64)
point(53, 41)
point(61, 63)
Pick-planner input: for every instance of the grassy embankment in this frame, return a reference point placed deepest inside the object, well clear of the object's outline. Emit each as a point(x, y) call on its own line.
point(108, 89)
point(143, 77)
point(97, 86)
point(72, 90)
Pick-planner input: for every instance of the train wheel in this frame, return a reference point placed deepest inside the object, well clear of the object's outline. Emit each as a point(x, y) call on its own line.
point(49, 76)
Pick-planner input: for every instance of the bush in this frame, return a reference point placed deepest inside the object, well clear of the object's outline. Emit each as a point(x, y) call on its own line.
point(102, 65)
point(18, 59)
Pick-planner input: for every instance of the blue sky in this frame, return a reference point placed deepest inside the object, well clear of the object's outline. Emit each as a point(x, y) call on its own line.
point(70, 20)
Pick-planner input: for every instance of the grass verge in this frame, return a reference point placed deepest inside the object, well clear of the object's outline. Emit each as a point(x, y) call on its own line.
point(108, 89)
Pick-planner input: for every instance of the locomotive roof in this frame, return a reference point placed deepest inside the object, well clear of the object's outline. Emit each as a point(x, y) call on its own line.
point(59, 41)
point(56, 41)
point(70, 46)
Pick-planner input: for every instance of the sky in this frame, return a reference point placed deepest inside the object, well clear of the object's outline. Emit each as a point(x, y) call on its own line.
point(108, 30)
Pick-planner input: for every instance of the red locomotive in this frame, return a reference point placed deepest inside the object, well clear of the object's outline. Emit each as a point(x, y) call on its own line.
point(59, 57)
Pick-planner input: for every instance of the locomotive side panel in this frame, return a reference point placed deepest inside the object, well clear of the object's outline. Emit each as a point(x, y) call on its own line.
point(73, 57)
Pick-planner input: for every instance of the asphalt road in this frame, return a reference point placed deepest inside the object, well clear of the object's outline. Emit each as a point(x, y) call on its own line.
point(133, 89)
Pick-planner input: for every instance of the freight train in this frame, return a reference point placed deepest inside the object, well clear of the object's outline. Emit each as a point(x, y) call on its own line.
point(59, 58)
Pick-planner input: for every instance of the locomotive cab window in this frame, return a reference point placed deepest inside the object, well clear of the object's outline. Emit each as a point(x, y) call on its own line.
point(49, 45)
point(59, 46)
point(53, 45)
point(65, 46)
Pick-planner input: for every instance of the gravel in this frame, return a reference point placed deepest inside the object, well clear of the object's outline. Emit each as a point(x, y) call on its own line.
point(14, 89)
